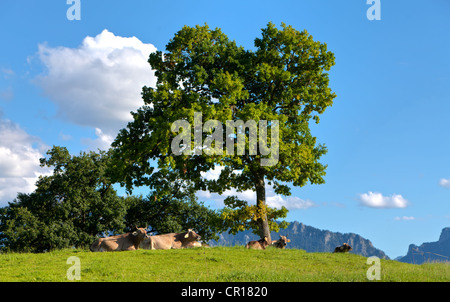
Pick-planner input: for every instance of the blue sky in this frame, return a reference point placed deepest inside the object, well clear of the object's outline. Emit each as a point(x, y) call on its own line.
point(72, 83)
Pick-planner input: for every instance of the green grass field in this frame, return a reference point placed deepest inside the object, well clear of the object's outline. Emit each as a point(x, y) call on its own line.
point(220, 264)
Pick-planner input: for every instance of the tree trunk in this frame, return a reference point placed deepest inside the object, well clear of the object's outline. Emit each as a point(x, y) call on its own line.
point(263, 224)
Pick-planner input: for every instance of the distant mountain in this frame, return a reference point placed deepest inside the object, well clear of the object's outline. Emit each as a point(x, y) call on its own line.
point(438, 251)
point(309, 239)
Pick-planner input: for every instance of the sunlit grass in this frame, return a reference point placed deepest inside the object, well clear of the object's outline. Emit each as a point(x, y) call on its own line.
point(221, 264)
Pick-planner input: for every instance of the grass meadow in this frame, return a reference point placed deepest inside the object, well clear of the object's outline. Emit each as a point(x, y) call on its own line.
point(218, 264)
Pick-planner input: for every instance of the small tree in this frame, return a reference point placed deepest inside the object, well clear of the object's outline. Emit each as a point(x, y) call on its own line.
point(67, 208)
point(202, 74)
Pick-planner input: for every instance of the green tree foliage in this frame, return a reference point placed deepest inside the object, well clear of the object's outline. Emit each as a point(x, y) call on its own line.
point(67, 208)
point(78, 202)
point(172, 207)
point(284, 79)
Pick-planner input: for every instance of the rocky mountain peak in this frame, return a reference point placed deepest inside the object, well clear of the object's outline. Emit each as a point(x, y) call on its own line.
point(438, 251)
point(445, 234)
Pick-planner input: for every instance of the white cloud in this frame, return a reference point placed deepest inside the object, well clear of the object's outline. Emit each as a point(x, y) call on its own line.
point(444, 183)
point(103, 141)
point(98, 83)
point(290, 202)
point(248, 195)
point(7, 94)
point(377, 200)
point(212, 174)
point(6, 91)
point(65, 137)
point(272, 199)
point(19, 161)
point(405, 218)
point(7, 73)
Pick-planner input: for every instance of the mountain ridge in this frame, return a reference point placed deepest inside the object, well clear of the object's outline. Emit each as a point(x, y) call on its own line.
point(437, 251)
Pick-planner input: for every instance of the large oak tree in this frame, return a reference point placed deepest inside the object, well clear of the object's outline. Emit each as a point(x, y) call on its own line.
point(204, 73)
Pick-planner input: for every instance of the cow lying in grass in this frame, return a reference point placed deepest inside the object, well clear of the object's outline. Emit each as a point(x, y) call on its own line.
point(280, 243)
point(260, 244)
point(344, 248)
point(124, 242)
point(170, 241)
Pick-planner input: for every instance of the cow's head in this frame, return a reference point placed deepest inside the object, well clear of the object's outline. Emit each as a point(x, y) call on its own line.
point(191, 235)
point(140, 233)
point(283, 241)
point(347, 247)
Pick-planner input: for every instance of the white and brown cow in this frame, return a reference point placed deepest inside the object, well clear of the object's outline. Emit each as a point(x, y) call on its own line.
point(260, 244)
point(281, 243)
point(170, 241)
point(125, 242)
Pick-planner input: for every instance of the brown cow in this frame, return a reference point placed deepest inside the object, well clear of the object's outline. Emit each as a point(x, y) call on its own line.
point(125, 242)
point(343, 249)
point(170, 241)
point(260, 244)
point(281, 243)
